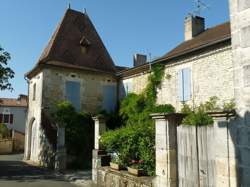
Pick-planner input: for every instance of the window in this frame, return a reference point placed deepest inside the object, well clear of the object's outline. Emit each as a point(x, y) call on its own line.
point(6, 118)
point(72, 90)
point(184, 84)
point(34, 91)
point(128, 87)
point(109, 97)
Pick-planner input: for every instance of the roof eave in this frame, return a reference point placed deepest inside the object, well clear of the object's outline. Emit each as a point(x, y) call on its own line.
point(192, 50)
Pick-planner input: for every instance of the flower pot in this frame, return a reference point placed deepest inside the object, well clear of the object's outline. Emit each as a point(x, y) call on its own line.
point(136, 172)
point(116, 166)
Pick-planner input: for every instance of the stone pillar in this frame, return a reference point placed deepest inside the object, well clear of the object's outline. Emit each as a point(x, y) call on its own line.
point(60, 157)
point(99, 157)
point(166, 148)
point(224, 151)
point(240, 33)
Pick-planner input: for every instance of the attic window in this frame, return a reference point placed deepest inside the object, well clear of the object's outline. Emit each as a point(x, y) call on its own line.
point(84, 42)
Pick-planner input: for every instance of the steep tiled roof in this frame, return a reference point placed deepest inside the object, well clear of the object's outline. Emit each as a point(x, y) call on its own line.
point(76, 42)
point(209, 37)
point(22, 101)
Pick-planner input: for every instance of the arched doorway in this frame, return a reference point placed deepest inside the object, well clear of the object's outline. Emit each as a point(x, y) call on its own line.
point(31, 134)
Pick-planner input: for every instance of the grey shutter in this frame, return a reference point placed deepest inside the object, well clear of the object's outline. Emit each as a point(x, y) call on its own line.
point(73, 93)
point(109, 97)
point(180, 85)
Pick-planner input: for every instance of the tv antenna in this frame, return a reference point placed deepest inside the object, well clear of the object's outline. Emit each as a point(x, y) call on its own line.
point(200, 5)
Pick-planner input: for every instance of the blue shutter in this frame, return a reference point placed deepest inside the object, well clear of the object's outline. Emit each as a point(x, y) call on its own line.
point(186, 73)
point(109, 97)
point(184, 84)
point(180, 85)
point(73, 93)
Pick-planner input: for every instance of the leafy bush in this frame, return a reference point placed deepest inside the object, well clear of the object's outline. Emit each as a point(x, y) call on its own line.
point(133, 142)
point(136, 139)
point(79, 132)
point(4, 131)
point(199, 116)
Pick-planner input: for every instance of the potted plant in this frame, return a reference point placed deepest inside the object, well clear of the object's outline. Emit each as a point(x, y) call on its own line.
point(116, 163)
point(136, 168)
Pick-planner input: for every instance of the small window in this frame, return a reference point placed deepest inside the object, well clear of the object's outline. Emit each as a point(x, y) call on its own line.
point(34, 92)
point(6, 118)
point(128, 87)
point(184, 84)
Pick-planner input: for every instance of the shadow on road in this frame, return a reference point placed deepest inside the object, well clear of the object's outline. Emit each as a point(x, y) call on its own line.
point(20, 171)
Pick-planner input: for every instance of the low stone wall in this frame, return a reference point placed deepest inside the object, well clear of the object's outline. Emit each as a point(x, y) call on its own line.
point(18, 142)
point(107, 178)
point(6, 146)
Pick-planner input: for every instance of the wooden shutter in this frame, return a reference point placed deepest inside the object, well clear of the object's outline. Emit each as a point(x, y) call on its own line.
point(186, 84)
point(73, 93)
point(109, 97)
point(180, 85)
point(11, 118)
point(1, 118)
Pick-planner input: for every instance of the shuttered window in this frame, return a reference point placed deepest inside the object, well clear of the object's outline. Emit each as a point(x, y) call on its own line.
point(184, 84)
point(109, 97)
point(73, 93)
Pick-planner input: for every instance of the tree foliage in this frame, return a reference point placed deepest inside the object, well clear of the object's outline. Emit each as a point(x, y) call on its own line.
point(6, 73)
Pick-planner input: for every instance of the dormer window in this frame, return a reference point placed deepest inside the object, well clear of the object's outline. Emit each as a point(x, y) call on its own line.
point(84, 42)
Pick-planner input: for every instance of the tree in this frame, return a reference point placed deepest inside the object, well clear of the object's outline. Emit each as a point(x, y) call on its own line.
point(6, 73)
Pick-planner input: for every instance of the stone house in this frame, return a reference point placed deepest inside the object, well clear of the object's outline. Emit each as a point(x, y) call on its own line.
point(76, 66)
point(13, 113)
point(197, 69)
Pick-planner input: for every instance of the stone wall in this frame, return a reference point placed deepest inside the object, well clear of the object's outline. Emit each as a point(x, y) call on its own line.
point(211, 75)
point(6, 146)
point(137, 84)
point(91, 87)
point(240, 27)
point(108, 177)
point(34, 117)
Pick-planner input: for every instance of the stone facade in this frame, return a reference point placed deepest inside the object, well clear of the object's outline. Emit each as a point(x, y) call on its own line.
point(48, 87)
point(91, 88)
point(33, 122)
point(211, 75)
point(134, 84)
point(240, 26)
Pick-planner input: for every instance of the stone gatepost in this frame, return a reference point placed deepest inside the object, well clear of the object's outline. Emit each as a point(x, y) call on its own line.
point(224, 151)
point(99, 157)
point(166, 148)
point(60, 157)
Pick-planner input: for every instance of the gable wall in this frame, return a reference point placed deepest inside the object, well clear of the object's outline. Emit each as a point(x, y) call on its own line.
point(211, 75)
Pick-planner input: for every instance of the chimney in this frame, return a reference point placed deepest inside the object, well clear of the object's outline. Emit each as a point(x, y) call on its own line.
point(194, 25)
point(139, 59)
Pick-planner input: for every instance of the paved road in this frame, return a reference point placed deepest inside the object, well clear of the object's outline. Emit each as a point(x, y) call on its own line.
point(15, 173)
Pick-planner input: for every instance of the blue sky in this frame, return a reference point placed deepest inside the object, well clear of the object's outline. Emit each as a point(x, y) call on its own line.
point(125, 26)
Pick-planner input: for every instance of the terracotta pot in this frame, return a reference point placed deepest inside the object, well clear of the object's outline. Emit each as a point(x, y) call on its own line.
point(116, 166)
point(136, 172)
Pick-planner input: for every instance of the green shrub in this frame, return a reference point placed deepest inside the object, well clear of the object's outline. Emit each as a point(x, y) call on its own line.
point(136, 139)
point(79, 132)
point(231, 105)
point(4, 131)
point(133, 142)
